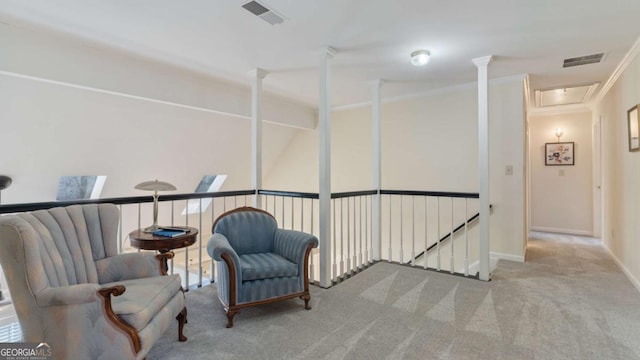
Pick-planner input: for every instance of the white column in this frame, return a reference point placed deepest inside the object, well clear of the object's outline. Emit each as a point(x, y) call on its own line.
point(324, 118)
point(256, 133)
point(483, 162)
point(376, 215)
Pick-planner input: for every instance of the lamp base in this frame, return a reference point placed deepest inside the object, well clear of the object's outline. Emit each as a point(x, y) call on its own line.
point(151, 229)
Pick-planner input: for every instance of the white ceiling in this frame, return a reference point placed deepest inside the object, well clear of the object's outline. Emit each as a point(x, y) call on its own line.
point(373, 39)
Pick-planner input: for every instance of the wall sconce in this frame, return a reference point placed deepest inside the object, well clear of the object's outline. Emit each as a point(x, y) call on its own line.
point(155, 186)
point(559, 133)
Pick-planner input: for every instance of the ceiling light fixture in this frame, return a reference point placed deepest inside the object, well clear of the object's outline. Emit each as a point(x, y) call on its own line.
point(420, 57)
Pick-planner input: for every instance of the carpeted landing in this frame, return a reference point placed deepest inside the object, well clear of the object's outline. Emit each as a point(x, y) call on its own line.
point(568, 301)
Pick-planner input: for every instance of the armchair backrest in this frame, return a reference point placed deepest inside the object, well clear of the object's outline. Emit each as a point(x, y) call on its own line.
point(58, 246)
point(248, 230)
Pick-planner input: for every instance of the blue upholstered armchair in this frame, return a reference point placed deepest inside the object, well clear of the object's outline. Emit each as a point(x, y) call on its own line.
point(258, 263)
point(73, 291)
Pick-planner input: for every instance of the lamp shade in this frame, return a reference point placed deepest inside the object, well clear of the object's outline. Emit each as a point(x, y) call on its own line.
point(155, 185)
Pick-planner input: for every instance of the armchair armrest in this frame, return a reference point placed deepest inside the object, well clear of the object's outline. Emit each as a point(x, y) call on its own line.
point(230, 276)
point(128, 266)
point(219, 245)
point(292, 244)
point(68, 295)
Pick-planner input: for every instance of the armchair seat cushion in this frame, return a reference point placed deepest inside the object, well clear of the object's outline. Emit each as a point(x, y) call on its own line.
point(266, 266)
point(144, 298)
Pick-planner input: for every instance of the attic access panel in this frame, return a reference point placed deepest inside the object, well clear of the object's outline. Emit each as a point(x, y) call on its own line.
point(565, 95)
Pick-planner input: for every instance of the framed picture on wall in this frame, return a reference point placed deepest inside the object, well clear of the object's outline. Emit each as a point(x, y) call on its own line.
point(559, 153)
point(633, 119)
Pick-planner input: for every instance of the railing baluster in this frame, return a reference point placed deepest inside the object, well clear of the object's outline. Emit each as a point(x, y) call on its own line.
point(401, 230)
point(451, 239)
point(348, 270)
point(119, 249)
point(413, 231)
point(186, 249)
point(302, 214)
point(282, 212)
point(369, 231)
point(426, 231)
point(390, 233)
point(335, 243)
point(438, 239)
point(466, 239)
point(312, 268)
point(341, 238)
point(292, 208)
point(212, 274)
point(199, 245)
point(367, 240)
point(361, 254)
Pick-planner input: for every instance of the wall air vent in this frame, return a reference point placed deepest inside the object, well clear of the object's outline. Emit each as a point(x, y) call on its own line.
point(263, 12)
point(583, 60)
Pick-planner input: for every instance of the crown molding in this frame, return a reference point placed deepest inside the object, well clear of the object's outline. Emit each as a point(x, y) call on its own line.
point(622, 66)
point(434, 92)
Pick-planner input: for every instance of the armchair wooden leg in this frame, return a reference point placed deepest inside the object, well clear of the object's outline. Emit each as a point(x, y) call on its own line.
point(230, 315)
point(306, 298)
point(182, 318)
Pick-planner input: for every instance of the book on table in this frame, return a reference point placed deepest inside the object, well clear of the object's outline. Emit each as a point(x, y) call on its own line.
point(169, 232)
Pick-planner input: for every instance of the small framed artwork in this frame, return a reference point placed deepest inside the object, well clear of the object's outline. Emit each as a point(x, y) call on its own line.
point(633, 119)
point(560, 153)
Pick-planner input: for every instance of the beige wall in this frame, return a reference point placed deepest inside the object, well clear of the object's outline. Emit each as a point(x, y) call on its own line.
point(561, 196)
point(428, 143)
point(621, 172)
point(55, 122)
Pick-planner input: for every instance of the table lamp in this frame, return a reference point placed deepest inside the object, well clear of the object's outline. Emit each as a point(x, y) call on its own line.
point(154, 186)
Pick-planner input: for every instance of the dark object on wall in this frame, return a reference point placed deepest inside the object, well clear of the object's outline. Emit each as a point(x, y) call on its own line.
point(559, 153)
point(633, 121)
point(5, 181)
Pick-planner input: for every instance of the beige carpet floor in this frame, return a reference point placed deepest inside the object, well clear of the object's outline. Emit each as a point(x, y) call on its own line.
point(569, 300)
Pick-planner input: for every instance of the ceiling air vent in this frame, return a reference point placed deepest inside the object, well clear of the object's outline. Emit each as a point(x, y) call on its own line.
point(583, 60)
point(263, 12)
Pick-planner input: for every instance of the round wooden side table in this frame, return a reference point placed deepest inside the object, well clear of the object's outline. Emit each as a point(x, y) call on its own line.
point(147, 241)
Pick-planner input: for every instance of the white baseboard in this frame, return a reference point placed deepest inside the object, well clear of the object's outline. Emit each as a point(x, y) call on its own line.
point(624, 269)
point(500, 256)
point(562, 231)
point(474, 267)
point(493, 261)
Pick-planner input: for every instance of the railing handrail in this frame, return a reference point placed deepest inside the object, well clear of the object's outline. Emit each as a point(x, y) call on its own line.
point(14, 208)
point(304, 195)
point(345, 194)
point(431, 193)
point(22, 207)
